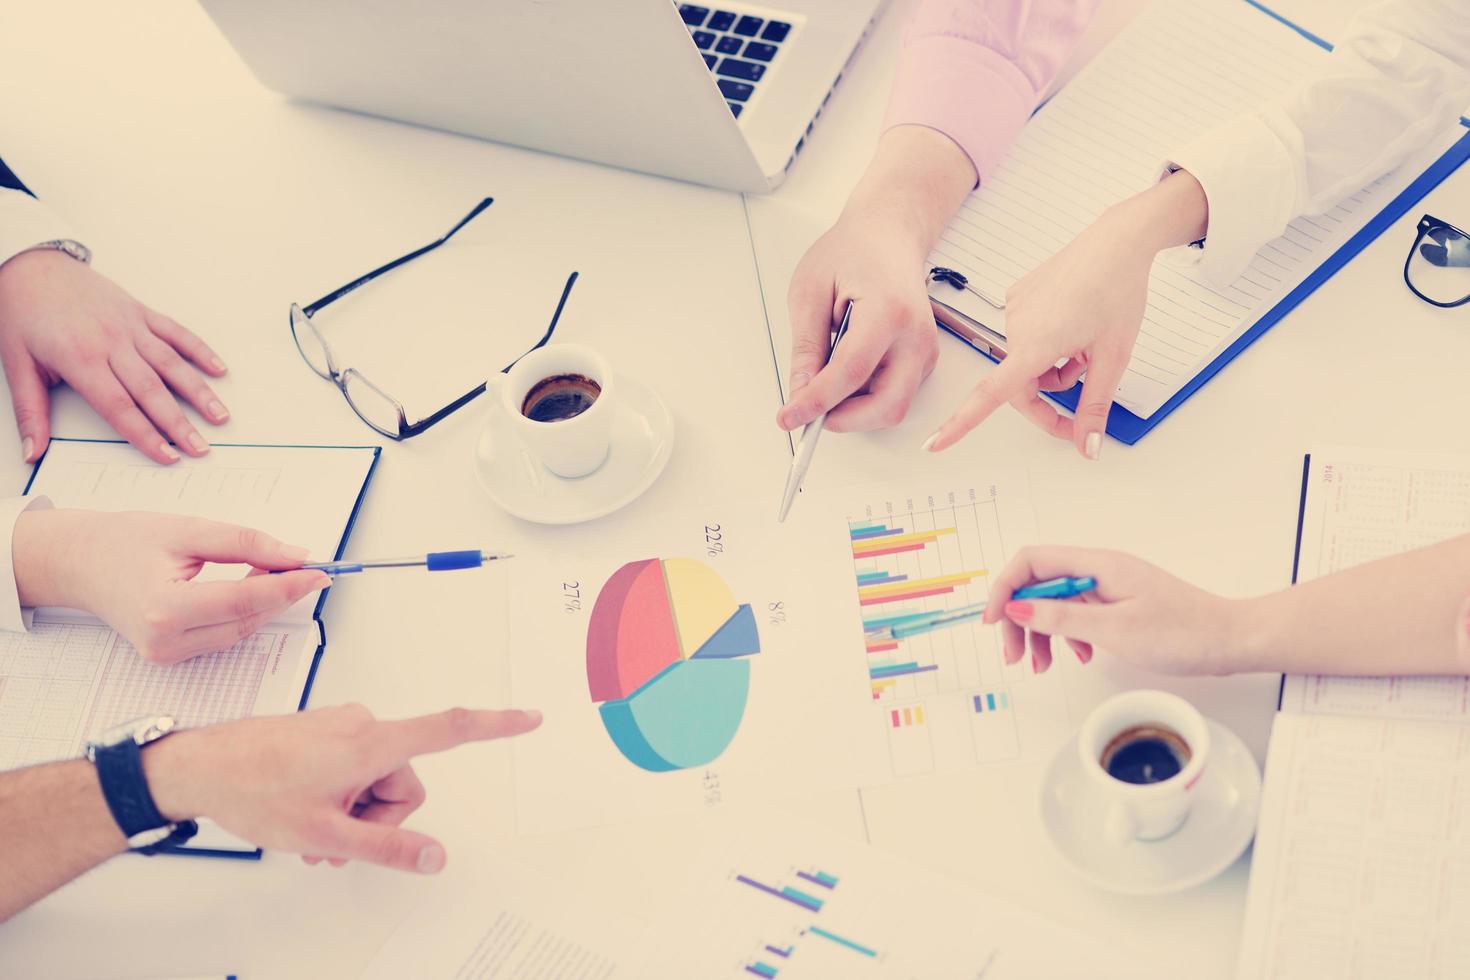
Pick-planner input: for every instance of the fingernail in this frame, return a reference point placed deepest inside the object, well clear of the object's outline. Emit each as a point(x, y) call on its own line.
point(294, 552)
point(322, 581)
point(27, 447)
point(1019, 612)
point(169, 452)
point(532, 715)
point(197, 443)
point(217, 411)
point(928, 446)
point(1092, 448)
point(217, 364)
point(800, 380)
point(431, 859)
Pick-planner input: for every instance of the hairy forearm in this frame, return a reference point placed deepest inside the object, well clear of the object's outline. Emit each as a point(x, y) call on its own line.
point(1392, 616)
point(917, 180)
point(54, 826)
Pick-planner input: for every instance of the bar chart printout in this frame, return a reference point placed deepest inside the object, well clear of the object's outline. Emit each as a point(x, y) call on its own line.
point(848, 911)
point(945, 699)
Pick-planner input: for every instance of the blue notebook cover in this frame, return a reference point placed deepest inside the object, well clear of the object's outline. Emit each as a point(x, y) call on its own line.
point(316, 614)
point(1128, 428)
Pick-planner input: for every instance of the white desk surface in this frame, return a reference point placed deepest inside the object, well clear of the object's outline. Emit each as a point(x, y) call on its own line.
point(220, 203)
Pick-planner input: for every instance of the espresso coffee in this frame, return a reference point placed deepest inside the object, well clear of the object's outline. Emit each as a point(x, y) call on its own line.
point(1144, 754)
point(560, 397)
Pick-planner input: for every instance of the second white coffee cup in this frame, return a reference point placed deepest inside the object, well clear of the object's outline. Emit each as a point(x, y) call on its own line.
point(1143, 811)
point(569, 447)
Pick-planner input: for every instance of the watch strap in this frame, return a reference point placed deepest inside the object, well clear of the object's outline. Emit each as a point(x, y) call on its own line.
point(125, 788)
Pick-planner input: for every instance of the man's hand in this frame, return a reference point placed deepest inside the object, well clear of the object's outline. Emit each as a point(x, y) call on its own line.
point(62, 321)
point(135, 571)
point(874, 256)
point(331, 783)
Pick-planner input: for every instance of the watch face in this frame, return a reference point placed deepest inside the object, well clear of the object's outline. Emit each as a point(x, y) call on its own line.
point(147, 838)
point(141, 730)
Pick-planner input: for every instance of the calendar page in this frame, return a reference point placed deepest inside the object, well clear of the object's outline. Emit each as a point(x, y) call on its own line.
point(1361, 852)
point(1361, 505)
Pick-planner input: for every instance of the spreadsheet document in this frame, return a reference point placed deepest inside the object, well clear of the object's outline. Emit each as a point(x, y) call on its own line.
point(1362, 855)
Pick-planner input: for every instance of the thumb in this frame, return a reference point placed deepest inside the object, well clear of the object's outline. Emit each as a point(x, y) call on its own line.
point(32, 399)
point(1085, 621)
point(392, 847)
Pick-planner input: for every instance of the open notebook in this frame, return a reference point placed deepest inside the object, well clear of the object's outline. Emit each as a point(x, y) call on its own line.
point(1362, 856)
point(72, 676)
point(1181, 68)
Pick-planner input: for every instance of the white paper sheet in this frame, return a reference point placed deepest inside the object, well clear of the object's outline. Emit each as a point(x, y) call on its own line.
point(825, 707)
point(501, 921)
point(792, 902)
point(1181, 68)
point(783, 701)
point(753, 898)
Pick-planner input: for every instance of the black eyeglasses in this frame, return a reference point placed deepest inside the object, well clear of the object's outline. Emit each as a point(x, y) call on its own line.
point(1438, 266)
point(380, 410)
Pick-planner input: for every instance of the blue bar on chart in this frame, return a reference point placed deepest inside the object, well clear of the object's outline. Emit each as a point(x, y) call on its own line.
point(761, 969)
point(782, 951)
point(842, 941)
point(819, 878)
point(879, 578)
point(793, 895)
point(990, 701)
point(879, 669)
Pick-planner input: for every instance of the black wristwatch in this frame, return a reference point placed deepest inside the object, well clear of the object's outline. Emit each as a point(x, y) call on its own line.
point(118, 755)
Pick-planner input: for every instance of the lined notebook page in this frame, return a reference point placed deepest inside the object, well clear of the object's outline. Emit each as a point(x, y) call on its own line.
point(1181, 68)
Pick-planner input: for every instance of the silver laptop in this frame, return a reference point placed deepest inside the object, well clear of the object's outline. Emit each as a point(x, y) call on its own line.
point(717, 93)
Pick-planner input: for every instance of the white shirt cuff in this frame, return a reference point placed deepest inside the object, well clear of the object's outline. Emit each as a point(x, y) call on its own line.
point(25, 223)
point(1252, 186)
point(13, 619)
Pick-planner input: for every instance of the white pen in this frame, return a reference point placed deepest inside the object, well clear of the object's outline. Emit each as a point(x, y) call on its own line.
point(813, 431)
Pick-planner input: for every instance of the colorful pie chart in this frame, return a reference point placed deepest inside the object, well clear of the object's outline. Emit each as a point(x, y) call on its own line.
point(665, 662)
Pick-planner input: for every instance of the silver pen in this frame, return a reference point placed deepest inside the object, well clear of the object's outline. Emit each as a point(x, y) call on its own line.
point(802, 461)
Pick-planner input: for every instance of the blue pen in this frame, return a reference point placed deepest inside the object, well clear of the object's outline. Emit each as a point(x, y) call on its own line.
point(1057, 588)
point(434, 561)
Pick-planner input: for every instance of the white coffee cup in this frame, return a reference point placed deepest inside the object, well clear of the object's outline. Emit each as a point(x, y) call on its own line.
point(1143, 811)
point(572, 447)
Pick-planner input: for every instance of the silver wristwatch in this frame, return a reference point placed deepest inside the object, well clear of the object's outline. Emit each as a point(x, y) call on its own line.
point(71, 247)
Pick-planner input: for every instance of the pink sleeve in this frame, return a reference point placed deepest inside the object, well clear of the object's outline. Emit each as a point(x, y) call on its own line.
point(976, 69)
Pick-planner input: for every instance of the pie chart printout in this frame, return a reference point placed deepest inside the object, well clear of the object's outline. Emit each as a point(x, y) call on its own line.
point(666, 662)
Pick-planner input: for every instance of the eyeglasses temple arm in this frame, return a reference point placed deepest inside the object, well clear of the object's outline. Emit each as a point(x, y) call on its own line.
point(337, 294)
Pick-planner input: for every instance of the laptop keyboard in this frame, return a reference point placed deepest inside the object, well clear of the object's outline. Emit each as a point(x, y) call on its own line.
point(738, 48)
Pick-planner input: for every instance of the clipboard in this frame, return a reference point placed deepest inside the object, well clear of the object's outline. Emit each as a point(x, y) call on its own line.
point(1124, 425)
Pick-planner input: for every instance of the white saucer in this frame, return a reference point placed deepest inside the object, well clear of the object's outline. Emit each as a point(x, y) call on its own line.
point(642, 440)
point(1220, 825)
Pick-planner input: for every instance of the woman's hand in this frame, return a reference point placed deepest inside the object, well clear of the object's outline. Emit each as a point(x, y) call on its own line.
point(874, 256)
point(1137, 612)
point(135, 571)
point(1084, 306)
point(62, 321)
